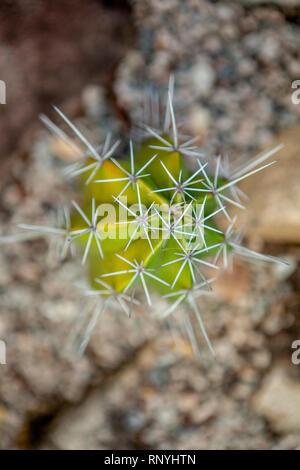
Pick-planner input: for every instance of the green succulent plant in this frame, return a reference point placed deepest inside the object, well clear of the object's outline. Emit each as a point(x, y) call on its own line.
point(148, 222)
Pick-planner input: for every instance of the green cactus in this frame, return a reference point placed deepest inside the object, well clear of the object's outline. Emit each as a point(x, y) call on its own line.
point(148, 221)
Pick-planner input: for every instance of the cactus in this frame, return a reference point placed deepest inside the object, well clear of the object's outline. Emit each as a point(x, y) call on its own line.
point(148, 222)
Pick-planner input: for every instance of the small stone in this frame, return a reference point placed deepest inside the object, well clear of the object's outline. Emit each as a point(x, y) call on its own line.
point(199, 121)
point(246, 67)
point(274, 194)
point(279, 399)
point(202, 78)
point(284, 271)
point(93, 100)
point(233, 285)
point(205, 412)
point(63, 150)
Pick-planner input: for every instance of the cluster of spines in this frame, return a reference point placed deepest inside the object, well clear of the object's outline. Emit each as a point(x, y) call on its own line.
point(182, 279)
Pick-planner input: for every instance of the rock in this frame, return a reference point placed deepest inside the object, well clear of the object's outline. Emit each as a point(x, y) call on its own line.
point(284, 271)
point(199, 121)
point(62, 149)
point(272, 212)
point(279, 399)
point(233, 285)
point(202, 78)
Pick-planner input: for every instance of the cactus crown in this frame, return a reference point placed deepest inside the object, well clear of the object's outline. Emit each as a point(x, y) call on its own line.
point(149, 222)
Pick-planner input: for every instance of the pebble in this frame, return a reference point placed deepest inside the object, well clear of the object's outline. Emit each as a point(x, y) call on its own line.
point(202, 77)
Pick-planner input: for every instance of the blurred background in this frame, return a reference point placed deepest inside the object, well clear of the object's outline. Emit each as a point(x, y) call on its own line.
point(138, 386)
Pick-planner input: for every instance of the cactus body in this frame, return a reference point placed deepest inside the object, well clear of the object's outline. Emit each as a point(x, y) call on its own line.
point(149, 223)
